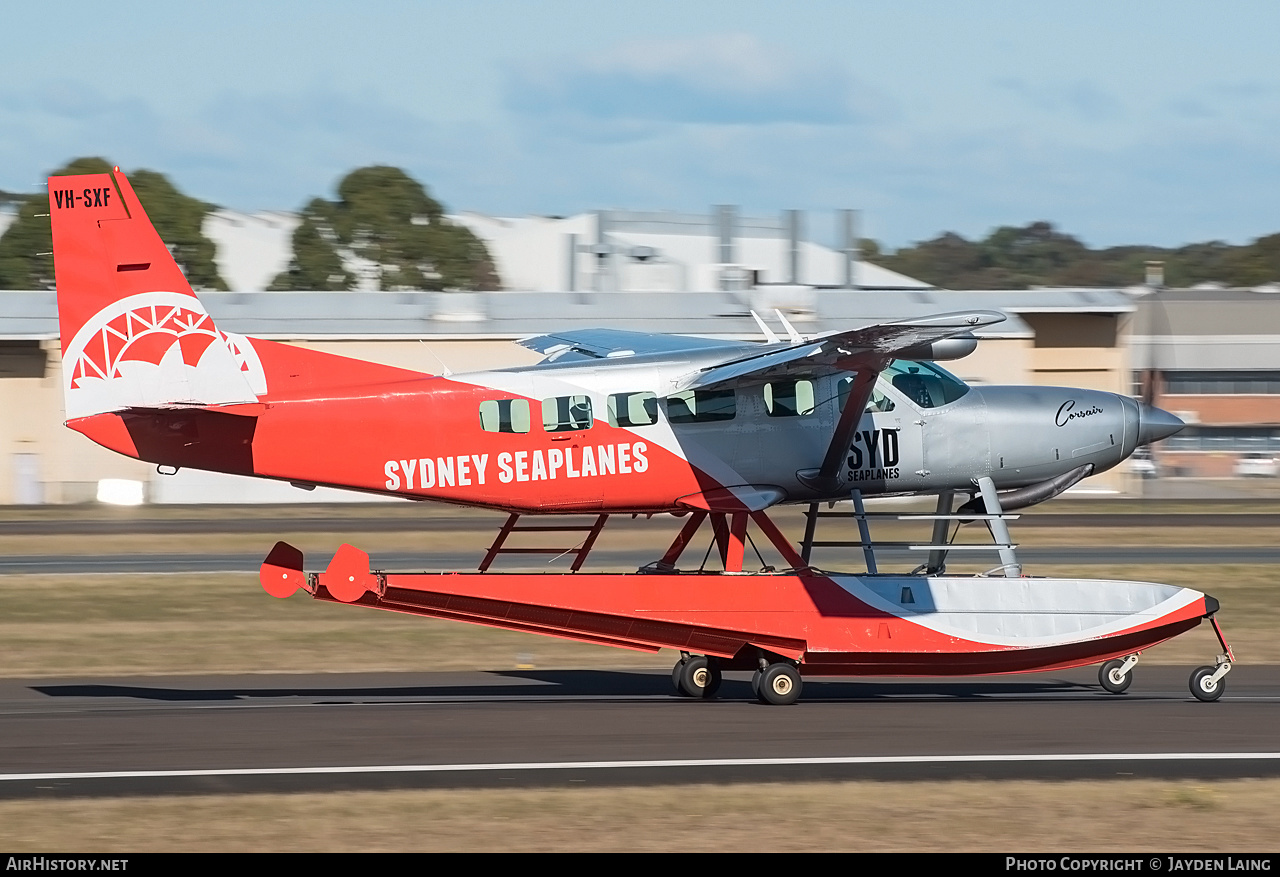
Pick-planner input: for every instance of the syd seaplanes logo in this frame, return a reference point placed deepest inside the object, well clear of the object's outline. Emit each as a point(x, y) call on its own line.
point(153, 349)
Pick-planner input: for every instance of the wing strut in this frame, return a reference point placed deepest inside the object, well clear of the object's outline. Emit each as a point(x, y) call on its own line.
point(826, 478)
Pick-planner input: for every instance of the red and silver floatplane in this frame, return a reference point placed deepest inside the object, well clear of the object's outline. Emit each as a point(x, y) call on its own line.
point(610, 422)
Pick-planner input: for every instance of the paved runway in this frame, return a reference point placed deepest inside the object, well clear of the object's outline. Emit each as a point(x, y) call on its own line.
point(188, 734)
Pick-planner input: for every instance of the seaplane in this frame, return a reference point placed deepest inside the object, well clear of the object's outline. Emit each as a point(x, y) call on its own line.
point(714, 432)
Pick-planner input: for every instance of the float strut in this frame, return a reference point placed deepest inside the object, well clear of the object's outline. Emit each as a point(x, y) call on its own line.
point(938, 557)
point(999, 528)
point(682, 540)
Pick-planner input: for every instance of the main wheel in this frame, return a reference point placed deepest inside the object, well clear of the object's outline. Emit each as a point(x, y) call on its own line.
point(1110, 677)
point(755, 682)
point(1203, 686)
point(780, 685)
point(700, 677)
point(676, 673)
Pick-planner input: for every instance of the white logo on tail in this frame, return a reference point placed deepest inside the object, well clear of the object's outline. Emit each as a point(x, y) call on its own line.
point(157, 349)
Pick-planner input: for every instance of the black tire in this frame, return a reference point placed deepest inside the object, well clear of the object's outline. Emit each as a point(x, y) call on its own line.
point(714, 678)
point(780, 685)
point(1111, 681)
point(1202, 688)
point(755, 683)
point(676, 672)
point(700, 677)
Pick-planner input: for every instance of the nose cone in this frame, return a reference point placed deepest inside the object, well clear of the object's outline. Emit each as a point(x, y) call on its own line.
point(1155, 424)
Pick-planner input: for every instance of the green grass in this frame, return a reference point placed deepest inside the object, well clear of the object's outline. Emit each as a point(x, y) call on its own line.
point(118, 624)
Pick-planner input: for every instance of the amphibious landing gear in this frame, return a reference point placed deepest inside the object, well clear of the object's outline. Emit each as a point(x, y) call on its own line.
point(778, 684)
point(1207, 683)
point(696, 676)
point(699, 677)
point(1116, 676)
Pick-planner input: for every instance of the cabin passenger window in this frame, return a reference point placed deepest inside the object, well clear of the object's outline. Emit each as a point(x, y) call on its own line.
point(877, 402)
point(504, 415)
point(633, 409)
point(566, 413)
point(701, 406)
point(788, 398)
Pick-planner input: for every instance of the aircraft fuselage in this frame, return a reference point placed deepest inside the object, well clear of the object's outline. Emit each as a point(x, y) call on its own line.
point(620, 436)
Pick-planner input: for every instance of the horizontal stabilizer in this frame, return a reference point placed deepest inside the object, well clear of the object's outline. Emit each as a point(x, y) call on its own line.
point(281, 573)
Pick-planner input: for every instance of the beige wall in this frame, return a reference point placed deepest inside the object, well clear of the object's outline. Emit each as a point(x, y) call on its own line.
point(998, 361)
point(69, 465)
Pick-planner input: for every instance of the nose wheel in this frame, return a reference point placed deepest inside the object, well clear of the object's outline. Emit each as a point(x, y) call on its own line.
point(1207, 683)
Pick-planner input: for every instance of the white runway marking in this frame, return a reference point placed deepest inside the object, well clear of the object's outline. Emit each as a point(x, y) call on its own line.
point(664, 763)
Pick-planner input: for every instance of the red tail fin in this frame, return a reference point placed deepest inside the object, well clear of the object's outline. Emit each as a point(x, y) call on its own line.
point(133, 332)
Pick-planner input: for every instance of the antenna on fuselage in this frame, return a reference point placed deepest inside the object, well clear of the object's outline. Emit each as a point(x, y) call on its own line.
point(796, 337)
point(445, 371)
point(768, 333)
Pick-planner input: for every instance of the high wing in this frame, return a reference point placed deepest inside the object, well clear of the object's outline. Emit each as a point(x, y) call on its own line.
point(581, 344)
point(865, 352)
point(870, 348)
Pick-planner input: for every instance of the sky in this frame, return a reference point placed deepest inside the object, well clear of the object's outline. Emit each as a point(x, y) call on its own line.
point(1121, 122)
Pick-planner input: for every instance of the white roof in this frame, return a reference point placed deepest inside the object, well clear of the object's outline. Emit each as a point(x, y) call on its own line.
point(532, 253)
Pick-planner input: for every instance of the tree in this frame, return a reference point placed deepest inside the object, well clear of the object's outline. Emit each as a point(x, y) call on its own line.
point(180, 221)
point(1039, 255)
point(177, 217)
point(384, 232)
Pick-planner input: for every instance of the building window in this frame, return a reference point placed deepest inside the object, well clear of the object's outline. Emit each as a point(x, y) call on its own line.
point(1221, 383)
point(1224, 439)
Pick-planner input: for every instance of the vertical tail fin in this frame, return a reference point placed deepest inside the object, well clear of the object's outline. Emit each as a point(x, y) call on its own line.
point(134, 335)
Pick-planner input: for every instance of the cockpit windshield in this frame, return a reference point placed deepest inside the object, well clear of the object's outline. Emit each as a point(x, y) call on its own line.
point(924, 383)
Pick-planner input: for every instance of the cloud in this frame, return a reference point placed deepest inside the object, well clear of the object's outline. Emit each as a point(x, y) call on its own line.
point(721, 79)
point(1080, 98)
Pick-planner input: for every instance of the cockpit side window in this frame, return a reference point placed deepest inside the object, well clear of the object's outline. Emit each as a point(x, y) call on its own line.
point(878, 401)
point(924, 383)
